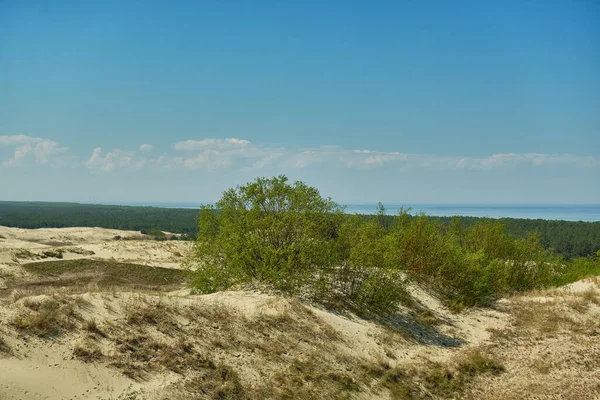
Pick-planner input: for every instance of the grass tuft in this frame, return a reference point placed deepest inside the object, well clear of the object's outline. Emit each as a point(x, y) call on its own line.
point(87, 351)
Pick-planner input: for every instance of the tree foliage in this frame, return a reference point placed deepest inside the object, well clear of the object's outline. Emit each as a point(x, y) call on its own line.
point(289, 237)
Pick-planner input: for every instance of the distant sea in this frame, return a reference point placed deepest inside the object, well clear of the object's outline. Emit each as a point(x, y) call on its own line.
point(565, 212)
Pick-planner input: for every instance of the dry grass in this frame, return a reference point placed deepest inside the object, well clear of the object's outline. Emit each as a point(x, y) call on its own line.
point(48, 317)
point(543, 365)
point(311, 378)
point(53, 253)
point(591, 296)
point(543, 318)
point(141, 311)
point(213, 382)
point(434, 380)
point(18, 294)
point(80, 251)
point(87, 351)
point(4, 347)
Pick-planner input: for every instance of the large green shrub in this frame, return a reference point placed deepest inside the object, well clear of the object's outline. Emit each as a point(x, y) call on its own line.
point(470, 266)
point(288, 237)
point(270, 231)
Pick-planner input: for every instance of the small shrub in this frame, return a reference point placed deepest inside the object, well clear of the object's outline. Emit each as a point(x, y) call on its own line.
point(476, 363)
point(157, 234)
point(579, 268)
point(87, 352)
point(25, 254)
point(158, 314)
point(4, 347)
point(53, 253)
point(91, 326)
point(46, 318)
point(591, 296)
point(80, 251)
point(219, 382)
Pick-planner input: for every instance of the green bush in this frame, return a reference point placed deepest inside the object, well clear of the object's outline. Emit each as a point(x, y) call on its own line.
point(158, 234)
point(288, 237)
point(471, 266)
point(367, 275)
point(269, 231)
point(580, 268)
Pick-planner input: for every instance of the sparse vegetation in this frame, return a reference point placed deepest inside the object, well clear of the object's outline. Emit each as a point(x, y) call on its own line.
point(4, 347)
point(156, 313)
point(80, 251)
point(434, 380)
point(158, 234)
point(47, 317)
point(105, 274)
point(53, 253)
point(87, 351)
point(91, 326)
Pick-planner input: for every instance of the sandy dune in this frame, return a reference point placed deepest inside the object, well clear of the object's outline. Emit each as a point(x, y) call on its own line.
point(548, 342)
point(20, 246)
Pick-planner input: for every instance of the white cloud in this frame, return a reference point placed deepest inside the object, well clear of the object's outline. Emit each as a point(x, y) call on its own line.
point(337, 156)
point(20, 153)
point(365, 158)
point(42, 151)
point(218, 153)
point(212, 144)
point(511, 160)
point(46, 150)
point(221, 153)
point(116, 158)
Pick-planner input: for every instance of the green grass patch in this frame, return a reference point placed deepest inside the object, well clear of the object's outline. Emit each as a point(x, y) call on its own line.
point(105, 274)
point(580, 268)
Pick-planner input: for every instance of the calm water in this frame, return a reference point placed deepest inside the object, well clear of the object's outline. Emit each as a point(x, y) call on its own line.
point(557, 212)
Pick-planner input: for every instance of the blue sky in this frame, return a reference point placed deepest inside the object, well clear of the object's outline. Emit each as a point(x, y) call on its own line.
point(415, 102)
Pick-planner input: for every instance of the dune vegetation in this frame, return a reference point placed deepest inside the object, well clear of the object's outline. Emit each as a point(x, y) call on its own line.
point(286, 237)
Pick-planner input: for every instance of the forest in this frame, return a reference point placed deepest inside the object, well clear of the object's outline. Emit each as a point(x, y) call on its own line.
point(61, 215)
point(566, 238)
